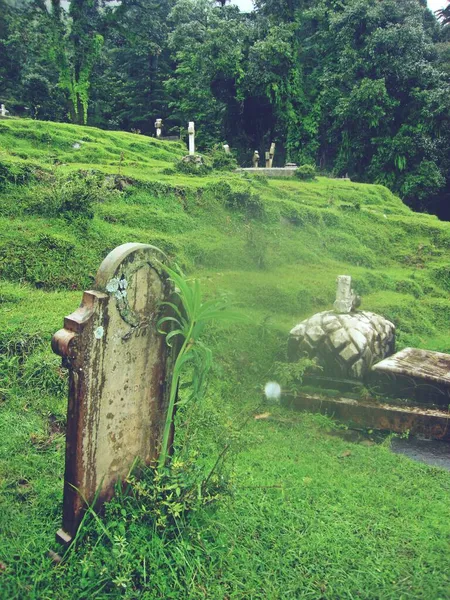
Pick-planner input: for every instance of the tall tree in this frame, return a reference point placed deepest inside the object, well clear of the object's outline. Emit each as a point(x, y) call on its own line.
point(74, 43)
point(135, 61)
point(207, 48)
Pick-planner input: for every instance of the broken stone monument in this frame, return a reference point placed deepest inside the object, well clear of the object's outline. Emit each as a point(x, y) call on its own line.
point(344, 341)
point(346, 299)
point(158, 127)
point(271, 154)
point(191, 131)
point(255, 159)
point(119, 378)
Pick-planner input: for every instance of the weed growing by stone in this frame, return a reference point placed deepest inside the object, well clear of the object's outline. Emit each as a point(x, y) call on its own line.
point(190, 316)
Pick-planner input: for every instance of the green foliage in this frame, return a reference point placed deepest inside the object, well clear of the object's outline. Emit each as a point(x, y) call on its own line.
point(290, 375)
point(74, 47)
point(339, 87)
point(422, 183)
point(165, 499)
point(72, 197)
point(241, 199)
point(306, 172)
point(14, 172)
point(221, 160)
point(191, 315)
point(194, 165)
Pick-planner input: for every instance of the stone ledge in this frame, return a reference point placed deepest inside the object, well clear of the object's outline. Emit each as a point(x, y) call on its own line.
point(384, 417)
point(274, 172)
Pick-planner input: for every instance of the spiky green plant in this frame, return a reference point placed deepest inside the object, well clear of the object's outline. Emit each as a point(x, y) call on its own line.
point(189, 317)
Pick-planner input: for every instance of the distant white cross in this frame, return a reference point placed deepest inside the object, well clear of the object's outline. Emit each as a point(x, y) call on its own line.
point(191, 131)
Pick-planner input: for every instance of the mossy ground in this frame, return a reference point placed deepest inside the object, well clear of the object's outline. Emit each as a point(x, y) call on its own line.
point(307, 519)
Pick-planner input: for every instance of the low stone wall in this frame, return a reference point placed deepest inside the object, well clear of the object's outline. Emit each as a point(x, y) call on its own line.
point(274, 172)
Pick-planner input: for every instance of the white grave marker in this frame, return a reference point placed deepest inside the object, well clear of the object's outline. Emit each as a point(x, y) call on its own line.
point(191, 131)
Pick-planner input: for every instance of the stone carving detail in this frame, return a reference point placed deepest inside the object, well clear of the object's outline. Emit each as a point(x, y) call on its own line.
point(119, 373)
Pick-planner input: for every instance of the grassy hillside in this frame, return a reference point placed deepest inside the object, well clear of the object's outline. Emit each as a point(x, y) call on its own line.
point(307, 519)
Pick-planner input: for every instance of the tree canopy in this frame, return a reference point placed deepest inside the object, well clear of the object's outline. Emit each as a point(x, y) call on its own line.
point(356, 87)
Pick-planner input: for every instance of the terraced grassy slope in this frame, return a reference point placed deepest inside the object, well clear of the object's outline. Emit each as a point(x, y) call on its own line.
point(307, 520)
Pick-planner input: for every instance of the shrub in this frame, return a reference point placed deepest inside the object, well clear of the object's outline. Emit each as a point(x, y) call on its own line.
point(441, 276)
point(14, 172)
point(221, 160)
point(72, 197)
point(250, 203)
point(243, 200)
point(306, 172)
point(194, 164)
point(422, 183)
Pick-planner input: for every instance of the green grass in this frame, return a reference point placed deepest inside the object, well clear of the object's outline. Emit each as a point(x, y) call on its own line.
point(305, 520)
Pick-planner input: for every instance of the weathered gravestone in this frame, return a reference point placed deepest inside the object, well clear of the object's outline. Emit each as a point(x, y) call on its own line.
point(119, 377)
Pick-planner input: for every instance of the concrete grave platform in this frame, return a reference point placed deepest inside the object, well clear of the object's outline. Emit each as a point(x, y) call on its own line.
point(422, 376)
point(374, 415)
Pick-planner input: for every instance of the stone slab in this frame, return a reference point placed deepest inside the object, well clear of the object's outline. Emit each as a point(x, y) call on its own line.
point(119, 377)
point(422, 376)
point(373, 415)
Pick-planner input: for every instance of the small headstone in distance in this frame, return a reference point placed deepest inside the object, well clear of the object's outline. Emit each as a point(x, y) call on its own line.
point(119, 378)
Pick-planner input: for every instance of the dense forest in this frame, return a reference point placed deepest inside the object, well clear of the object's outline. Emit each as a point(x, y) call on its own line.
point(354, 86)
